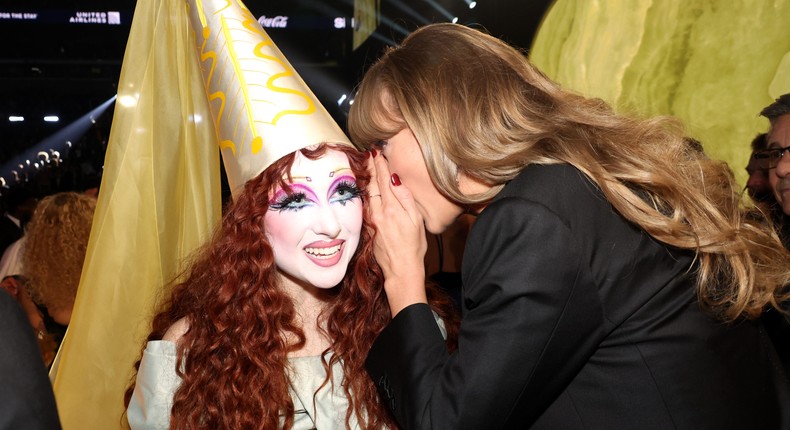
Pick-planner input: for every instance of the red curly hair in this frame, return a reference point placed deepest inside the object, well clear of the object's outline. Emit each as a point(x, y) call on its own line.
point(235, 351)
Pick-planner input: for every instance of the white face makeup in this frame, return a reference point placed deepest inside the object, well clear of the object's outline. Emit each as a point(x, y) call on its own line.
point(314, 230)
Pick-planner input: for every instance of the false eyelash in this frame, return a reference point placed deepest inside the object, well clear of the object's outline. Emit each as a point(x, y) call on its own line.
point(284, 202)
point(349, 187)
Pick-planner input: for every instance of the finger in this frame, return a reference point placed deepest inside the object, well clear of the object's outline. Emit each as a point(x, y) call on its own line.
point(405, 198)
point(382, 177)
point(395, 195)
point(373, 186)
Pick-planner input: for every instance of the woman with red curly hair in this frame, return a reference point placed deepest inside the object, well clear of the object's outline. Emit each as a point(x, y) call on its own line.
point(271, 325)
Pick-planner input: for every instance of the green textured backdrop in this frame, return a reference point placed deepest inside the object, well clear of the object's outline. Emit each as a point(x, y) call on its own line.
point(712, 63)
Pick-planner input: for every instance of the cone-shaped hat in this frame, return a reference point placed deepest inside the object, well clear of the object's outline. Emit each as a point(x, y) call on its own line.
point(262, 109)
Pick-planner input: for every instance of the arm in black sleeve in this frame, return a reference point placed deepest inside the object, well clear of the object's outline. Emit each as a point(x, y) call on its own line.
point(532, 318)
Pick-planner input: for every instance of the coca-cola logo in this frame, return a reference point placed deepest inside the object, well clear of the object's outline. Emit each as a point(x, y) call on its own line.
point(273, 22)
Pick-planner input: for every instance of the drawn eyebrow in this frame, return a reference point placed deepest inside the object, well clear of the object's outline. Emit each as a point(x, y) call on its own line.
point(332, 173)
point(340, 169)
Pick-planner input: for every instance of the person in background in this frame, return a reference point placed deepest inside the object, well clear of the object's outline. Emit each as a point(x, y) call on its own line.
point(19, 206)
point(757, 185)
point(53, 254)
point(26, 398)
point(777, 142)
point(15, 286)
point(611, 279)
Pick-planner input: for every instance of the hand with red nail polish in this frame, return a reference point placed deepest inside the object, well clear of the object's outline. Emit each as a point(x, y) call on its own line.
point(400, 244)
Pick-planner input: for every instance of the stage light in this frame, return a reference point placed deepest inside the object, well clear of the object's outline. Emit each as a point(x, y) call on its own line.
point(472, 4)
point(384, 39)
point(341, 99)
point(57, 144)
point(442, 10)
point(16, 118)
point(127, 100)
point(411, 12)
point(455, 20)
point(51, 118)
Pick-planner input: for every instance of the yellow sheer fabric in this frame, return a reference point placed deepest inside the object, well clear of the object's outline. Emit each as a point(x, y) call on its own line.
point(366, 16)
point(159, 200)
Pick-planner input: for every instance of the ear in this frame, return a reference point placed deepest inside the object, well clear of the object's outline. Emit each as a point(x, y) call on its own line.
point(470, 185)
point(11, 285)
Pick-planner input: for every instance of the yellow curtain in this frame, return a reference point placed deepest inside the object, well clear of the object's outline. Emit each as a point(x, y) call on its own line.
point(366, 16)
point(159, 200)
point(714, 64)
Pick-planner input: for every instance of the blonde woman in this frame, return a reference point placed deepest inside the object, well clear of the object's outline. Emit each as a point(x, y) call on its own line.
point(611, 279)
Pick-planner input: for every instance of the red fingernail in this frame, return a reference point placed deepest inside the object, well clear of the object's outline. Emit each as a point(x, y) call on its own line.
point(395, 179)
point(374, 152)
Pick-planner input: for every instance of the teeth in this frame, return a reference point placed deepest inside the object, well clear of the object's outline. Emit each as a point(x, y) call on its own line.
point(321, 252)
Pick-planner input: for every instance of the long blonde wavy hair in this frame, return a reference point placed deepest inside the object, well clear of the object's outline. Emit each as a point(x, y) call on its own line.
point(55, 245)
point(478, 107)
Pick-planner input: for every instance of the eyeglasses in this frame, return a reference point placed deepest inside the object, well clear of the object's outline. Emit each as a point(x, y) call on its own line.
point(773, 155)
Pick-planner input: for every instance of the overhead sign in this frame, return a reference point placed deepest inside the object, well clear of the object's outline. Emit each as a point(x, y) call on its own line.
point(75, 17)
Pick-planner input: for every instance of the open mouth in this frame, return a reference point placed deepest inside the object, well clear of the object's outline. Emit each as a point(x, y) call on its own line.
point(326, 252)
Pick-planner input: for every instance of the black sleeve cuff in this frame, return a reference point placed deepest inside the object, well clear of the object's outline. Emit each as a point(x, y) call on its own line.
point(408, 353)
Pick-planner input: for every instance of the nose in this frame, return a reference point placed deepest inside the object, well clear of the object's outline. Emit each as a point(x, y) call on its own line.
point(328, 223)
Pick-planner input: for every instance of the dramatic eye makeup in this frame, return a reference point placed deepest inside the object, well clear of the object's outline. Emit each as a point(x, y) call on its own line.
point(343, 190)
point(299, 197)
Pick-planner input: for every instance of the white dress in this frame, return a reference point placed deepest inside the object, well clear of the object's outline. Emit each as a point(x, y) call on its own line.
point(149, 407)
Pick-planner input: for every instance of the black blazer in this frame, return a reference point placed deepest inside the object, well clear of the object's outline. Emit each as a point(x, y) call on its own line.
point(576, 319)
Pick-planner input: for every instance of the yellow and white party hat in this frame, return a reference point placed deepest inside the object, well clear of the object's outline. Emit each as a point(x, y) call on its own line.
point(261, 107)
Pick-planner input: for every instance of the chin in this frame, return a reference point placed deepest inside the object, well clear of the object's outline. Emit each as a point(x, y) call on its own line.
point(327, 281)
point(436, 231)
point(436, 227)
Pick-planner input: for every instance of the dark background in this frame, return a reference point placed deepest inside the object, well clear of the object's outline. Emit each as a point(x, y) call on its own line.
point(49, 66)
